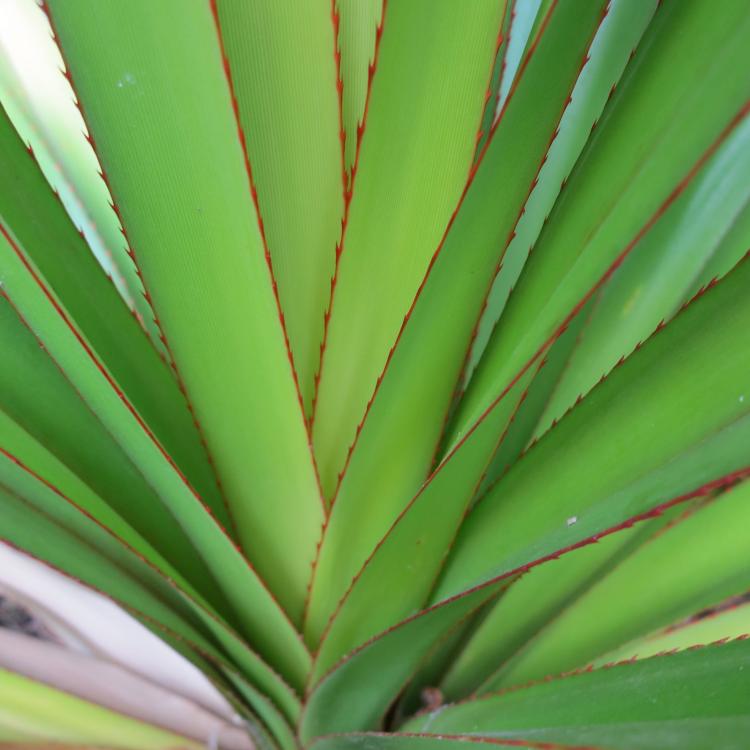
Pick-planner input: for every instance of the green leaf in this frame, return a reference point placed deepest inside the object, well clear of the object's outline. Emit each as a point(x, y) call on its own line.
point(36, 217)
point(282, 65)
point(612, 48)
point(357, 692)
point(425, 686)
point(252, 604)
point(33, 712)
point(21, 448)
point(694, 564)
point(417, 148)
point(358, 26)
point(412, 741)
point(68, 446)
point(447, 543)
point(699, 238)
point(660, 273)
point(525, 13)
point(729, 622)
point(610, 52)
point(394, 451)
point(37, 521)
point(416, 544)
point(186, 202)
point(53, 500)
point(618, 454)
point(39, 101)
point(526, 418)
point(695, 700)
point(732, 245)
point(496, 80)
point(534, 599)
point(83, 519)
point(683, 71)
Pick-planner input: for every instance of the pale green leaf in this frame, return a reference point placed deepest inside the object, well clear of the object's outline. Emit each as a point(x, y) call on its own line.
point(396, 446)
point(690, 566)
point(417, 148)
point(618, 454)
point(280, 57)
point(143, 71)
point(31, 712)
point(729, 622)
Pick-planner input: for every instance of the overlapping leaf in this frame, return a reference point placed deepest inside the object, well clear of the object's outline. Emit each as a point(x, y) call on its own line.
point(42, 311)
point(399, 434)
point(531, 601)
point(617, 451)
point(41, 105)
point(38, 220)
point(615, 42)
point(280, 58)
point(644, 170)
point(143, 71)
point(514, 466)
point(693, 701)
point(695, 564)
point(559, 496)
point(33, 713)
point(417, 148)
point(730, 620)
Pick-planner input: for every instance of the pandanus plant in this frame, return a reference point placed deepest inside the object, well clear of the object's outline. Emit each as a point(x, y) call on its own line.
point(389, 361)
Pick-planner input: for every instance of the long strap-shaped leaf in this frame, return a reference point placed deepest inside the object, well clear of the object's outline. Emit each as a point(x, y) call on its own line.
point(26, 468)
point(644, 169)
point(43, 312)
point(186, 201)
point(39, 520)
point(532, 601)
point(470, 441)
point(698, 238)
point(510, 530)
point(525, 12)
point(427, 741)
point(41, 224)
point(280, 57)
point(492, 94)
point(730, 621)
point(358, 27)
point(78, 511)
point(71, 443)
point(358, 690)
point(416, 543)
point(40, 103)
point(397, 439)
point(692, 701)
point(732, 245)
point(35, 713)
point(526, 419)
point(626, 424)
point(610, 52)
point(17, 446)
point(417, 147)
point(661, 272)
point(694, 564)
